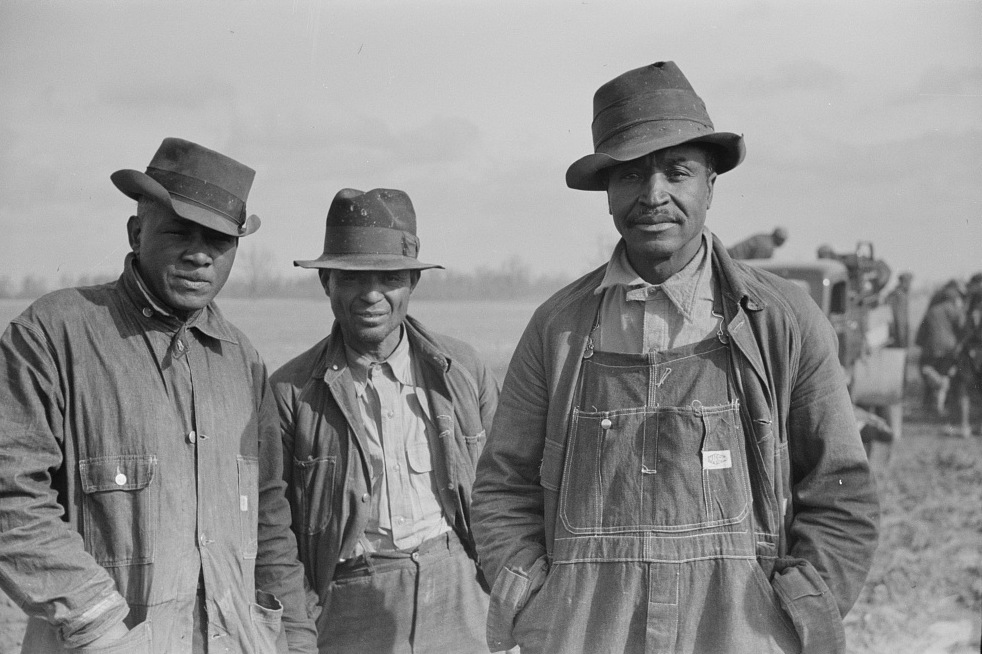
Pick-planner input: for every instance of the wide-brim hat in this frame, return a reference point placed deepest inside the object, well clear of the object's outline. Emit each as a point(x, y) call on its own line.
point(644, 110)
point(197, 184)
point(370, 231)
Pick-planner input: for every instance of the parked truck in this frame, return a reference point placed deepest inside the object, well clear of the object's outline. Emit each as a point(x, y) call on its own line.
point(848, 289)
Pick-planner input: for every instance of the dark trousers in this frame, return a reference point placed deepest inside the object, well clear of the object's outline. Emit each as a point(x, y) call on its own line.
point(428, 601)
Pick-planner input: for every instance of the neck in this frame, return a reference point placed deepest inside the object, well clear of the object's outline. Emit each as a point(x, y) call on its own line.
point(658, 271)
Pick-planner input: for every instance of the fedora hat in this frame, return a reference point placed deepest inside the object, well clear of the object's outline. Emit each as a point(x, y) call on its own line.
point(370, 231)
point(197, 184)
point(644, 110)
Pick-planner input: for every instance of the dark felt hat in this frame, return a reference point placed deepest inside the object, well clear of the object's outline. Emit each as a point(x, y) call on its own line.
point(370, 231)
point(644, 110)
point(198, 184)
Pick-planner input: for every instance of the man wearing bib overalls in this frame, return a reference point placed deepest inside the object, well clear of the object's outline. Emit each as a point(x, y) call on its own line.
point(674, 465)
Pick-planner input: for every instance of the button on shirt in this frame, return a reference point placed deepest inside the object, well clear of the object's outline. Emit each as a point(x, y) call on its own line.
point(637, 317)
point(396, 414)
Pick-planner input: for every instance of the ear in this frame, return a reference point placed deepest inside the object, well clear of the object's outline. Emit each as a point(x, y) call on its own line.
point(711, 183)
point(133, 227)
point(325, 276)
point(414, 276)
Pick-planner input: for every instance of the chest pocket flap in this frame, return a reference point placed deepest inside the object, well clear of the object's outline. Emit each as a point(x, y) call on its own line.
point(111, 473)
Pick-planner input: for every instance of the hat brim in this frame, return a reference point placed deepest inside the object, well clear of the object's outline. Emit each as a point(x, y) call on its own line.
point(365, 262)
point(136, 185)
point(584, 173)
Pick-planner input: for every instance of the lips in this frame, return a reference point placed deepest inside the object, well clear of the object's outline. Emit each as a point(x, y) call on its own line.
point(649, 219)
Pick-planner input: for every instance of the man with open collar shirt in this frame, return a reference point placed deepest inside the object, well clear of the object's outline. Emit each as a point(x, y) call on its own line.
point(141, 494)
point(674, 464)
point(383, 422)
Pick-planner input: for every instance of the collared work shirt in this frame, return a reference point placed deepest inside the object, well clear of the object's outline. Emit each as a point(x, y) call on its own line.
point(637, 317)
point(399, 424)
point(139, 452)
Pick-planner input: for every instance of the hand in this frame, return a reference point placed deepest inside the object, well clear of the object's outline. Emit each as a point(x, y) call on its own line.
point(118, 631)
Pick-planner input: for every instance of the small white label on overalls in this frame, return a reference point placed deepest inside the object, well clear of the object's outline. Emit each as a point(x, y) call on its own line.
point(716, 459)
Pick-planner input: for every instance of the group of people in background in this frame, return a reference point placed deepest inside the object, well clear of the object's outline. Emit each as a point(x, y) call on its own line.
point(950, 342)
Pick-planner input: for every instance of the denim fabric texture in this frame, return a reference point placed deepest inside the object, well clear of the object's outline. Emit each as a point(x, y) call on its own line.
point(139, 453)
point(813, 499)
point(429, 601)
point(330, 479)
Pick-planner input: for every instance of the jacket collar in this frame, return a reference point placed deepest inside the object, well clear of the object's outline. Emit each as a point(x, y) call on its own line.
point(733, 280)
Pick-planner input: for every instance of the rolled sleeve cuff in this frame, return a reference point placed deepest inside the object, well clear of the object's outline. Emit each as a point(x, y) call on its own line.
point(94, 621)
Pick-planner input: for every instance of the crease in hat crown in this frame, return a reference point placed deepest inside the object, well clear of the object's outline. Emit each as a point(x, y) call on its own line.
point(644, 110)
point(197, 183)
point(373, 230)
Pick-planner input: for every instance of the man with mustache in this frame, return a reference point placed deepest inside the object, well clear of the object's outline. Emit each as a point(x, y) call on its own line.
point(141, 493)
point(674, 464)
point(382, 424)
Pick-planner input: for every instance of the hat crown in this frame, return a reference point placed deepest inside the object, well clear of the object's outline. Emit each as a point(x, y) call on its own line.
point(380, 208)
point(192, 160)
point(657, 92)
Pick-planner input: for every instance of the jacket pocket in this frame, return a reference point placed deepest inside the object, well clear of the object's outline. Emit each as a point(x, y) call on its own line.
point(316, 493)
point(809, 602)
point(249, 505)
point(136, 641)
point(119, 514)
point(475, 445)
point(267, 616)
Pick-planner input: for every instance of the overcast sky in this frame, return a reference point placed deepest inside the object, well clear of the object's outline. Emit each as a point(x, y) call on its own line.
point(863, 120)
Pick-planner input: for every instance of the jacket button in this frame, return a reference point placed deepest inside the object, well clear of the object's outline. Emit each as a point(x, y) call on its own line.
point(606, 423)
point(147, 311)
point(366, 497)
point(192, 437)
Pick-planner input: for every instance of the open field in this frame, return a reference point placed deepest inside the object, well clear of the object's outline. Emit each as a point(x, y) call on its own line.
point(924, 594)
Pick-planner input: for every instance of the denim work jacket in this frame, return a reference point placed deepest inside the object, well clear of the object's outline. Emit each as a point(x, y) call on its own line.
point(328, 475)
point(110, 508)
point(814, 499)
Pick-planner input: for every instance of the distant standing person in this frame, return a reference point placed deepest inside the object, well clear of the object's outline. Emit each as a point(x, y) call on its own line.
point(141, 497)
point(675, 464)
point(899, 302)
point(382, 424)
point(759, 246)
point(937, 337)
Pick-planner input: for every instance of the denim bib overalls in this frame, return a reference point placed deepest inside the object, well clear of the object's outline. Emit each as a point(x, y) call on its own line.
point(655, 548)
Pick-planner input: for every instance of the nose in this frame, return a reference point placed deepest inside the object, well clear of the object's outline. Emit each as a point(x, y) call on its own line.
point(198, 250)
point(653, 191)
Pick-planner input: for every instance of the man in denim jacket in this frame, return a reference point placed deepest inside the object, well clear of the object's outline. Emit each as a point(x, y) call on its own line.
point(383, 422)
point(674, 465)
point(141, 496)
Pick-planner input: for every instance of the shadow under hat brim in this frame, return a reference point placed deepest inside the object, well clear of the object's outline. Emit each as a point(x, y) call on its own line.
point(366, 262)
point(136, 185)
point(584, 173)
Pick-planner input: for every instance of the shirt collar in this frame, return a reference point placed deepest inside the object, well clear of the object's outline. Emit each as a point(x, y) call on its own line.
point(398, 362)
point(683, 288)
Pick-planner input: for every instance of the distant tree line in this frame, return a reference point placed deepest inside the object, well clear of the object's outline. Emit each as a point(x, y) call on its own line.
point(256, 276)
